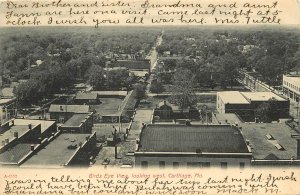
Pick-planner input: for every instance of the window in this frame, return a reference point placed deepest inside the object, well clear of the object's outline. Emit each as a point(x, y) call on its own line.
point(175, 164)
point(242, 165)
point(144, 164)
point(162, 164)
point(206, 164)
point(224, 165)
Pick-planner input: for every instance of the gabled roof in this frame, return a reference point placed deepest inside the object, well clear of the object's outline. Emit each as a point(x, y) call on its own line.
point(69, 108)
point(86, 96)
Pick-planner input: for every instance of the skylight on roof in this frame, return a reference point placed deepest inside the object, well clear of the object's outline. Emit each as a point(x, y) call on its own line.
point(279, 147)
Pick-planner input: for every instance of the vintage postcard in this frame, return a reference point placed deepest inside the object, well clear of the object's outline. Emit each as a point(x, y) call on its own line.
point(149, 97)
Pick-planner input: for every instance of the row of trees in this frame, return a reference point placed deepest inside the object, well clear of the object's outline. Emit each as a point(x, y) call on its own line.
point(67, 55)
point(217, 54)
point(117, 79)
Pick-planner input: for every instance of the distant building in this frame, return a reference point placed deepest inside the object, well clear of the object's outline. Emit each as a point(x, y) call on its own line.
point(192, 146)
point(78, 123)
point(7, 109)
point(86, 98)
point(7, 92)
point(291, 87)
point(62, 113)
point(166, 110)
point(133, 64)
point(244, 104)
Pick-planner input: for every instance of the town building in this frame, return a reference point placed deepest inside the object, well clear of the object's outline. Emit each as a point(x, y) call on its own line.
point(65, 149)
point(86, 98)
point(78, 123)
point(61, 113)
point(244, 104)
point(291, 87)
point(272, 144)
point(21, 138)
point(192, 146)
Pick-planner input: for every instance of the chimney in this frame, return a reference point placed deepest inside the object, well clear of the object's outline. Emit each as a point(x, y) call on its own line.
point(12, 123)
point(61, 108)
point(6, 141)
point(3, 143)
point(116, 152)
point(298, 148)
point(87, 138)
point(16, 135)
point(32, 147)
point(29, 126)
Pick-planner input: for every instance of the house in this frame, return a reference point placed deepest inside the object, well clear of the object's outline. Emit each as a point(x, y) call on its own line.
point(291, 87)
point(86, 98)
point(78, 123)
point(192, 146)
point(164, 110)
point(62, 113)
point(244, 104)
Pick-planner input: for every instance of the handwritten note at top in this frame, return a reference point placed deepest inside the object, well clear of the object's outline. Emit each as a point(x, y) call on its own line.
point(142, 12)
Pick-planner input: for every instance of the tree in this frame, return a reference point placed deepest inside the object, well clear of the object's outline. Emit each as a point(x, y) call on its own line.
point(140, 91)
point(156, 87)
point(27, 92)
point(263, 112)
point(96, 77)
point(183, 88)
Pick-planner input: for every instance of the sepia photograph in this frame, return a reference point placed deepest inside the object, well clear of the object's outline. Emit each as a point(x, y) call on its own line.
point(149, 97)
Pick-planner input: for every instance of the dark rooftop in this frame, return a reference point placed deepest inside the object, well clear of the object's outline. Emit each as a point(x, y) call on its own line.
point(262, 148)
point(15, 154)
point(75, 120)
point(57, 153)
point(182, 138)
point(133, 64)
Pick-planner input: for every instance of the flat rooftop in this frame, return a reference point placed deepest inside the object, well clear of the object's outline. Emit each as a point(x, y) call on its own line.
point(75, 120)
point(45, 124)
point(262, 96)
point(15, 154)
point(108, 106)
point(262, 147)
point(110, 93)
point(182, 138)
point(294, 78)
point(232, 97)
point(9, 134)
point(57, 153)
point(69, 108)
